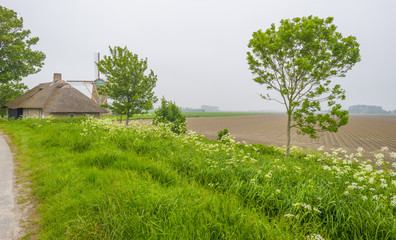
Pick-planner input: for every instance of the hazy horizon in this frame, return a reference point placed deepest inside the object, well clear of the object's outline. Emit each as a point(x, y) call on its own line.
point(198, 48)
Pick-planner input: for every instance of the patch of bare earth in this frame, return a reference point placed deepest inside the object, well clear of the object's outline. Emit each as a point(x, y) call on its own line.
point(368, 131)
point(26, 223)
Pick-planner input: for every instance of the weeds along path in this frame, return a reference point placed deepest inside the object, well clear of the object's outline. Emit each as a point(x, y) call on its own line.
point(8, 221)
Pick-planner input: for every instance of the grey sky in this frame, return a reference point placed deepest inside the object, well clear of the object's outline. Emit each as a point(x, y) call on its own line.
point(198, 48)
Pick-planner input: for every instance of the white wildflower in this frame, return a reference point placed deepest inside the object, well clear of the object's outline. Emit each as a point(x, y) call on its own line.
point(314, 237)
point(317, 210)
point(379, 162)
point(383, 149)
point(325, 167)
point(379, 155)
point(364, 198)
point(384, 185)
point(393, 201)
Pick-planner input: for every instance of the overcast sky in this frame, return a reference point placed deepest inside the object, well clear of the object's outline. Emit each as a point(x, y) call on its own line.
point(197, 48)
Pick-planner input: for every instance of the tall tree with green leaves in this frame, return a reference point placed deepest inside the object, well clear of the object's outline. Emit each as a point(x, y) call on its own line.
point(128, 84)
point(17, 58)
point(298, 60)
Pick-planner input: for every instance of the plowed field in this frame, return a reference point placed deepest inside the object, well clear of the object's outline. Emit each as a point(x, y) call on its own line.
point(369, 132)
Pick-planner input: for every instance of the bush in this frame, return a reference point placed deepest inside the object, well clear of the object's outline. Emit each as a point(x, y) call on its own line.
point(169, 113)
point(222, 133)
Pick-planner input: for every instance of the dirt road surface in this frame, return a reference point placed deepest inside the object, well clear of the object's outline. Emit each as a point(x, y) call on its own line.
point(8, 222)
point(368, 131)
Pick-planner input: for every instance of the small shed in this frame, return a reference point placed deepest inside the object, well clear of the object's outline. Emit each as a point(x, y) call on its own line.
point(57, 99)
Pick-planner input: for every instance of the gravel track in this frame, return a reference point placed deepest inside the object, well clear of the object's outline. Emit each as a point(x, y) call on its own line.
point(9, 224)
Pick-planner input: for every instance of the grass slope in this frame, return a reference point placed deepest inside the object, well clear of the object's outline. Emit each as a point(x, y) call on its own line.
point(97, 180)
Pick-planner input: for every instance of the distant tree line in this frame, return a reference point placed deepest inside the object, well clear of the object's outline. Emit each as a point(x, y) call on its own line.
point(368, 109)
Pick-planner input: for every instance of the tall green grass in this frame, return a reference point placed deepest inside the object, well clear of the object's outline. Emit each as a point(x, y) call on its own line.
point(98, 180)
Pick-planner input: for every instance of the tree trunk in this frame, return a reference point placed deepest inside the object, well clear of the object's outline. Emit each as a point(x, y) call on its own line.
point(288, 134)
point(120, 119)
point(127, 120)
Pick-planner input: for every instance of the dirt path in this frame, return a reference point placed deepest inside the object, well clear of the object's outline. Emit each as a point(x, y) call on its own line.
point(9, 224)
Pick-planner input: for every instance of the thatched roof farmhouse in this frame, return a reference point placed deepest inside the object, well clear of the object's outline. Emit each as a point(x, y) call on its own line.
point(56, 99)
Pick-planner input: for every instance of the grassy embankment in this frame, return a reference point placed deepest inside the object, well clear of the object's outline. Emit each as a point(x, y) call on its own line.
point(97, 180)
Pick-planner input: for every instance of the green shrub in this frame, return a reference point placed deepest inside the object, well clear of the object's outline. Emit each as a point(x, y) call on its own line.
point(221, 133)
point(169, 113)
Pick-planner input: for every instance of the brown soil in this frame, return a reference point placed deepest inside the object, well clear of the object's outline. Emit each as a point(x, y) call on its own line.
point(367, 131)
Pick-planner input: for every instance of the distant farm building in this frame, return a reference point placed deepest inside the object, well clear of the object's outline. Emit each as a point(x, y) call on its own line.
point(367, 109)
point(57, 99)
point(207, 108)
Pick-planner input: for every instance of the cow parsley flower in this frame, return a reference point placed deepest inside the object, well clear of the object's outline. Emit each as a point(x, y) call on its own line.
point(379, 155)
point(384, 185)
point(289, 215)
point(393, 201)
point(317, 210)
point(314, 237)
point(383, 149)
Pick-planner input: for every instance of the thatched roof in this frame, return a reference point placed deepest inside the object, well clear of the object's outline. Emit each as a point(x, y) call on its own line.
point(56, 97)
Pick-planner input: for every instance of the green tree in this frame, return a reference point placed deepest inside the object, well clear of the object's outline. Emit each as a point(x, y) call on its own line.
point(127, 83)
point(169, 113)
point(297, 60)
point(17, 59)
point(8, 92)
